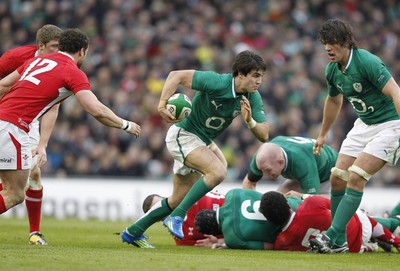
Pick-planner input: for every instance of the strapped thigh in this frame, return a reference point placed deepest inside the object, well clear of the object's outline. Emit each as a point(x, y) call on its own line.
point(341, 174)
point(359, 171)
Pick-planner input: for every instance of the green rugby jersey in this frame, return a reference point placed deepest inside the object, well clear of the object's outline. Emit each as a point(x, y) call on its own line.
point(301, 163)
point(362, 83)
point(216, 104)
point(242, 225)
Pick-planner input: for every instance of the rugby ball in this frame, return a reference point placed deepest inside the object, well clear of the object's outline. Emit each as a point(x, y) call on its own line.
point(179, 105)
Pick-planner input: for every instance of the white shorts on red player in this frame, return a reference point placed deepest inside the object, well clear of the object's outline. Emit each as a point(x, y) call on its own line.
point(15, 150)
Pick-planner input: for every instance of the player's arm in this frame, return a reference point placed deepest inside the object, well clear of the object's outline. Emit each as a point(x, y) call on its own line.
point(331, 111)
point(7, 82)
point(392, 90)
point(173, 81)
point(253, 175)
point(247, 184)
point(210, 241)
point(47, 122)
point(103, 114)
point(259, 129)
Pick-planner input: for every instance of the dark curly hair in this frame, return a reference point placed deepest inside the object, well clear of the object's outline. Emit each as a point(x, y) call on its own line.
point(246, 61)
point(72, 40)
point(206, 222)
point(336, 31)
point(275, 208)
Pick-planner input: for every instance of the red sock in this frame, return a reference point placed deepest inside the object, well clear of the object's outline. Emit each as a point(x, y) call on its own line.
point(3, 208)
point(33, 201)
point(1, 186)
point(383, 234)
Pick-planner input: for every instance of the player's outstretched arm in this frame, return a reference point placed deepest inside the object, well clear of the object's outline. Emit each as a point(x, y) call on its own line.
point(103, 114)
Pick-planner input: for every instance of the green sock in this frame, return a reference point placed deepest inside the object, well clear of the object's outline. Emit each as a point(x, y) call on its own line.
point(196, 192)
point(336, 197)
point(346, 209)
point(395, 211)
point(389, 223)
point(156, 213)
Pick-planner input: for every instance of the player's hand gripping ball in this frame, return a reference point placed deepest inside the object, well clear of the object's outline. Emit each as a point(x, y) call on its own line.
point(179, 105)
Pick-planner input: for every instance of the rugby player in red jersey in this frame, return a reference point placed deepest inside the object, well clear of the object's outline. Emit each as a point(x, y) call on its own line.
point(46, 42)
point(31, 91)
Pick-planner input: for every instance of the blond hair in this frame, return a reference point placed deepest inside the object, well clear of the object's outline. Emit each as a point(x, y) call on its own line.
point(48, 33)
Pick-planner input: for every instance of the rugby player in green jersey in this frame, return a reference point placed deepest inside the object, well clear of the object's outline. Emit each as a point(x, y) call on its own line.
point(199, 164)
point(373, 142)
point(240, 221)
point(294, 159)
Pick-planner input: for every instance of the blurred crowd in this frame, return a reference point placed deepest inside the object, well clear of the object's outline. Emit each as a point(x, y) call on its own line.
point(136, 43)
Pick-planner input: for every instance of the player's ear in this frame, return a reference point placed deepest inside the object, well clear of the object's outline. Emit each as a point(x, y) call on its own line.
point(41, 46)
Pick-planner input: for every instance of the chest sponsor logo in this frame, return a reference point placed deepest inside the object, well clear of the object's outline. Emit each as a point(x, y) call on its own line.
point(357, 87)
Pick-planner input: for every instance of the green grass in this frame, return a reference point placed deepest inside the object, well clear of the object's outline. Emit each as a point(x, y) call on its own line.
point(92, 245)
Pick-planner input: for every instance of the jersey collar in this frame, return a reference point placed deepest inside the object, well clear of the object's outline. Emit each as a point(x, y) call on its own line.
point(348, 62)
point(285, 156)
point(233, 88)
point(217, 215)
point(63, 53)
point(290, 221)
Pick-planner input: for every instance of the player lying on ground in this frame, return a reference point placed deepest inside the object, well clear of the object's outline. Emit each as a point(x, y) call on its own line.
point(312, 217)
point(211, 200)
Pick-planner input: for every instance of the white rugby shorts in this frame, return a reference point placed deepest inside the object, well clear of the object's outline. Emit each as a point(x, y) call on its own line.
point(15, 151)
point(380, 140)
point(34, 135)
point(366, 229)
point(180, 143)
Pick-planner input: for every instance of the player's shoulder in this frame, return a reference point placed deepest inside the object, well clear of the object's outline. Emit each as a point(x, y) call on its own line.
point(364, 56)
point(22, 52)
point(25, 48)
point(212, 75)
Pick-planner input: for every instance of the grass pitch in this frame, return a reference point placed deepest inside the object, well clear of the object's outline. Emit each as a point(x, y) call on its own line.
point(93, 245)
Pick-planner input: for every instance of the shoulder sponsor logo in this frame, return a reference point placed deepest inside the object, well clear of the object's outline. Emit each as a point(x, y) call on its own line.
point(380, 78)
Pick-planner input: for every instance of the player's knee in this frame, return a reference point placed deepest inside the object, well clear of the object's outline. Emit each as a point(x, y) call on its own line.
point(360, 172)
point(342, 174)
point(217, 176)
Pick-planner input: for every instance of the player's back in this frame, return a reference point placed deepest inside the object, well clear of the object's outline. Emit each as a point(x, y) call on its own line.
point(311, 218)
point(45, 81)
point(14, 58)
point(241, 220)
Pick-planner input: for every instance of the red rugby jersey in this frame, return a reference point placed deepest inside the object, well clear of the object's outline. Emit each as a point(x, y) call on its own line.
point(45, 80)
